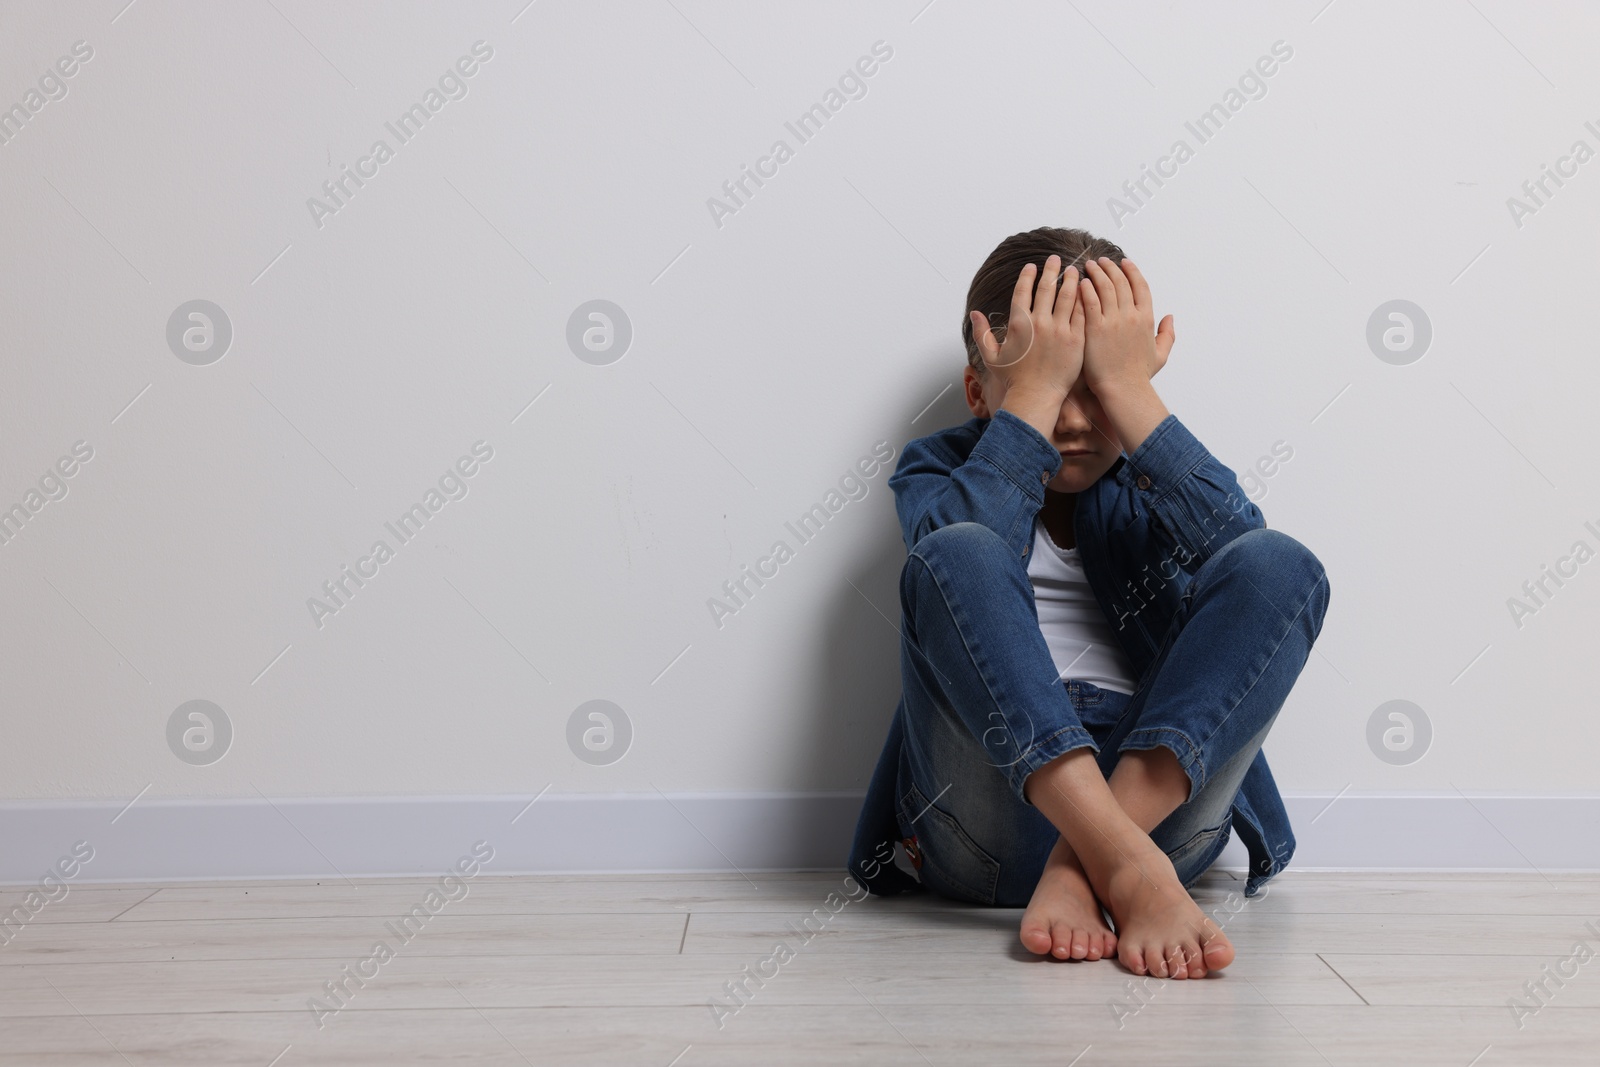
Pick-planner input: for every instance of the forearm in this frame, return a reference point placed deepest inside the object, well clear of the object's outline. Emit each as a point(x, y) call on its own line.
point(1038, 407)
point(1134, 409)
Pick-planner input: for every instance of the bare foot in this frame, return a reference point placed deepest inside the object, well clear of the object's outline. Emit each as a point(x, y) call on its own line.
point(1063, 918)
point(1161, 930)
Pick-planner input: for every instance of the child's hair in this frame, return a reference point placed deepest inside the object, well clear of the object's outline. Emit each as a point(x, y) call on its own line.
point(990, 292)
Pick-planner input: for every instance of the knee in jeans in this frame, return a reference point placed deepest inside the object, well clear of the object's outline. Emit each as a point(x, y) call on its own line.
point(1274, 550)
point(1287, 559)
point(969, 548)
point(967, 542)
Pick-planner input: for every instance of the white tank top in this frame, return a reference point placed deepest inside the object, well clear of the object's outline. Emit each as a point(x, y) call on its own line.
point(1080, 638)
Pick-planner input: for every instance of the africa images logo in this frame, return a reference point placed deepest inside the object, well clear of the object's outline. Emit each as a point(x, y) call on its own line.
point(452, 485)
point(452, 85)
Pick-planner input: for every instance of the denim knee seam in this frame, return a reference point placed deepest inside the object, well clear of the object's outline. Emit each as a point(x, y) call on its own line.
point(1286, 633)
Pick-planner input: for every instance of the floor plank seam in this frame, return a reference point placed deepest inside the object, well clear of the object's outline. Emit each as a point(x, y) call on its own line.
point(130, 907)
point(1343, 979)
point(685, 936)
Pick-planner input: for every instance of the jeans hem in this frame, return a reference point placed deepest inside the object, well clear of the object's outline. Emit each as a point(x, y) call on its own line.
point(1064, 740)
point(1255, 882)
point(1190, 757)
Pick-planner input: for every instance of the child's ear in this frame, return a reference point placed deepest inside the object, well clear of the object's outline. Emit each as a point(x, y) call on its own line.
point(977, 403)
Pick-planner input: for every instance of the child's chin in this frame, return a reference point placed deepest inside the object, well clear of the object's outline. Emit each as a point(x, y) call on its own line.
point(1076, 483)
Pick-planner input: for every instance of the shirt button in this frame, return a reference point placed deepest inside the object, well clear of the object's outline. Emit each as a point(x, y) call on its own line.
point(1143, 482)
point(1044, 478)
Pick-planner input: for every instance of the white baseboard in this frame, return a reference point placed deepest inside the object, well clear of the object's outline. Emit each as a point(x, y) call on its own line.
point(1439, 832)
point(329, 838)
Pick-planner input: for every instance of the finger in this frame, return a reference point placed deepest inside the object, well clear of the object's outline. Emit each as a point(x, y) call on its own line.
point(1064, 304)
point(1089, 294)
point(1105, 290)
point(1166, 334)
point(1080, 310)
point(1022, 293)
point(1016, 339)
point(1141, 288)
point(984, 337)
point(1124, 288)
point(1019, 325)
point(1044, 297)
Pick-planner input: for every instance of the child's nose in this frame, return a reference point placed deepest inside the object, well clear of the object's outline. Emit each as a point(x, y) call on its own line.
point(1072, 420)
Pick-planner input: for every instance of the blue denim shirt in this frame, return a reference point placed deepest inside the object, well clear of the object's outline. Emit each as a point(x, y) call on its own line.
point(1143, 529)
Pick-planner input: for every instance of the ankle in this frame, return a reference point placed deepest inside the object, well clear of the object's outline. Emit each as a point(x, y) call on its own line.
point(1139, 872)
point(1062, 859)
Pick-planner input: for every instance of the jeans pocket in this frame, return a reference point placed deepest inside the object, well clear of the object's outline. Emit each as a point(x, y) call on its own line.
point(1084, 694)
point(952, 863)
point(1099, 710)
point(1195, 856)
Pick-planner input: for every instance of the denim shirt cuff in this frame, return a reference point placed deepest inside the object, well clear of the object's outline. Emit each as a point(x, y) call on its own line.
point(1163, 459)
point(1019, 452)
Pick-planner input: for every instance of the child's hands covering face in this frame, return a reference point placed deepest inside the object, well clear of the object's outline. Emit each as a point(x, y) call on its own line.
point(1119, 346)
point(1042, 354)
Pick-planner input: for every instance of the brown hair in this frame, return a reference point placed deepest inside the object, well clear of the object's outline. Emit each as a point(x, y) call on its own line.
point(990, 292)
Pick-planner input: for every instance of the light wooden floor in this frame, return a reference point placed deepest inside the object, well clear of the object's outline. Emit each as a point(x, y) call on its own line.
point(1333, 969)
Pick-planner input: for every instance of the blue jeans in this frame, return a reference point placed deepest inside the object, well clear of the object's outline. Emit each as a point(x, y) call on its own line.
point(985, 706)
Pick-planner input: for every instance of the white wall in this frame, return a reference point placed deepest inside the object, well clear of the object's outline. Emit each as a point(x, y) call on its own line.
point(769, 353)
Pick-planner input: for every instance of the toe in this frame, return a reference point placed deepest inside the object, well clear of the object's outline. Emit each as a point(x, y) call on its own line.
point(1156, 961)
point(1177, 962)
point(1131, 958)
point(1061, 941)
point(1192, 957)
point(1218, 953)
point(1035, 937)
point(1080, 944)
